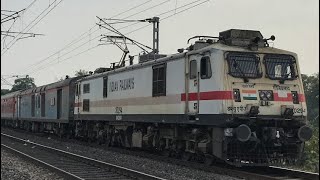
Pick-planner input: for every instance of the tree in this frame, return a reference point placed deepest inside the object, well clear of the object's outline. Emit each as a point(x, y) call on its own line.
point(311, 90)
point(81, 72)
point(23, 83)
point(4, 91)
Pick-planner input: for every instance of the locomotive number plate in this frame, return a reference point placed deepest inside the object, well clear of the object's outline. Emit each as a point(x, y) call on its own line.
point(118, 118)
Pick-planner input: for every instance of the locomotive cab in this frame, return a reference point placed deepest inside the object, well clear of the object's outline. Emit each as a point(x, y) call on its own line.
point(268, 108)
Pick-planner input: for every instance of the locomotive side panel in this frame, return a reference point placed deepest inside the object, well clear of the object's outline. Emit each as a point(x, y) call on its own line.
point(130, 94)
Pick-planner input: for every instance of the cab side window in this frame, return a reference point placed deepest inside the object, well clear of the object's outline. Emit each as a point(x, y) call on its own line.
point(205, 68)
point(193, 69)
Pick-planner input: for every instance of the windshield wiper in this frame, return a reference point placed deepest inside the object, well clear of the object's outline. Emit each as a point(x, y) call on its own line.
point(285, 77)
point(236, 66)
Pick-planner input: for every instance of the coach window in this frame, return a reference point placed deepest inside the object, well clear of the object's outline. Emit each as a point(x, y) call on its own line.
point(205, 68)
point(105, 87)
point(86, 88)
point(193, 69)
point(159, 80)
point(86, 105)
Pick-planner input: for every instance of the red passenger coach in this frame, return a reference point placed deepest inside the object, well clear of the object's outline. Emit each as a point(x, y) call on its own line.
point(9, 106)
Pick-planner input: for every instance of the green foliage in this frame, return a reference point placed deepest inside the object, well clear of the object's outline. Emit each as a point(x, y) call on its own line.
point(81, 72)
point(311, 90)
point(23, 83)
point(311, 153)
point(4, 91)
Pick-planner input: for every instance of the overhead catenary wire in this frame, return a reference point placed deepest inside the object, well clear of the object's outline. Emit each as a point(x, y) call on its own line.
point(79, 38)
point(170, 15)
point(11, 43)
point(166, 12)
point(17, 12)
point(5, 81)
point(22, 13)
point(21, 32)
point(135, 7)
point(11, 16)
point(119, 33)
point(147, 9)
point(5, 36)
point(53, 63)
point(59, 57)
point(176, 8)
point(28, 7)
point(94, 31)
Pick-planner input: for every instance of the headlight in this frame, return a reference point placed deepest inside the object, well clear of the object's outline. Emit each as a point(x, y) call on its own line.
point(266, 95)
point(236, 95)
point(269, 95)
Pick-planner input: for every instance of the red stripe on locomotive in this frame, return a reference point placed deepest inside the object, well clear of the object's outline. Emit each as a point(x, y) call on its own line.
point(211, 95)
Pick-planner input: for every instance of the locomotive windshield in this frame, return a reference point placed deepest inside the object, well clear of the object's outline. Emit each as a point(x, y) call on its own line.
point(280, 66)
point(244, 65)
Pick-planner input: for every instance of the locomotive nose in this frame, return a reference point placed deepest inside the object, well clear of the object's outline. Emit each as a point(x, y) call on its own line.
point(243, 133)
point(304, 133)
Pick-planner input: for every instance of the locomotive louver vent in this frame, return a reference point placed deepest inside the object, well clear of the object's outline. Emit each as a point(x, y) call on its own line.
point(101, 70)
point(243, 38)
point(150, 56)
point(200, 45)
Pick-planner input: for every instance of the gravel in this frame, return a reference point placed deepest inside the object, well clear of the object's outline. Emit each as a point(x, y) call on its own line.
point(15, 168)
point(151, 166)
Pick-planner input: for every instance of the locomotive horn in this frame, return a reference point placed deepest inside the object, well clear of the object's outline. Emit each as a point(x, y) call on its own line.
point(243, 133)
point(304, 133)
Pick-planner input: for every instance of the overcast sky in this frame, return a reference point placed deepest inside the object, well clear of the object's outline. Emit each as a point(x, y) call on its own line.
point(295, 24)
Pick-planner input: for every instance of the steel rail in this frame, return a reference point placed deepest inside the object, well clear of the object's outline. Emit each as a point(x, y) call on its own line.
point(57, 170)
point(249, 173)
point(106, 167)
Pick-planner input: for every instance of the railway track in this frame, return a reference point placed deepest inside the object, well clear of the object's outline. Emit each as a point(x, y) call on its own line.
point(273, 173)
point(249, 173)
point(69, 165)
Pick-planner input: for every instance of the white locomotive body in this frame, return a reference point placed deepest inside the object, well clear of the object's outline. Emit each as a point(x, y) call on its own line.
point(216, 99)
point(130, 89)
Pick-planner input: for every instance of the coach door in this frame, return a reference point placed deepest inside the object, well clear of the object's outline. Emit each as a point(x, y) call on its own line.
point(192, 94)
point(33, 105)
point(59, 103)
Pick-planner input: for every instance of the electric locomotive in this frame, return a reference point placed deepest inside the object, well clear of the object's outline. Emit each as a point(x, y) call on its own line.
point(230, 98)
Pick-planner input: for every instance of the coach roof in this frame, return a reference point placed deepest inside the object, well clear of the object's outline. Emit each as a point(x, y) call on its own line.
point(12, 94)
point(54, 85)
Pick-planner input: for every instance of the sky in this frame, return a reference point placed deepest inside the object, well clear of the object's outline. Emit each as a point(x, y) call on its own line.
point(49, 57)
